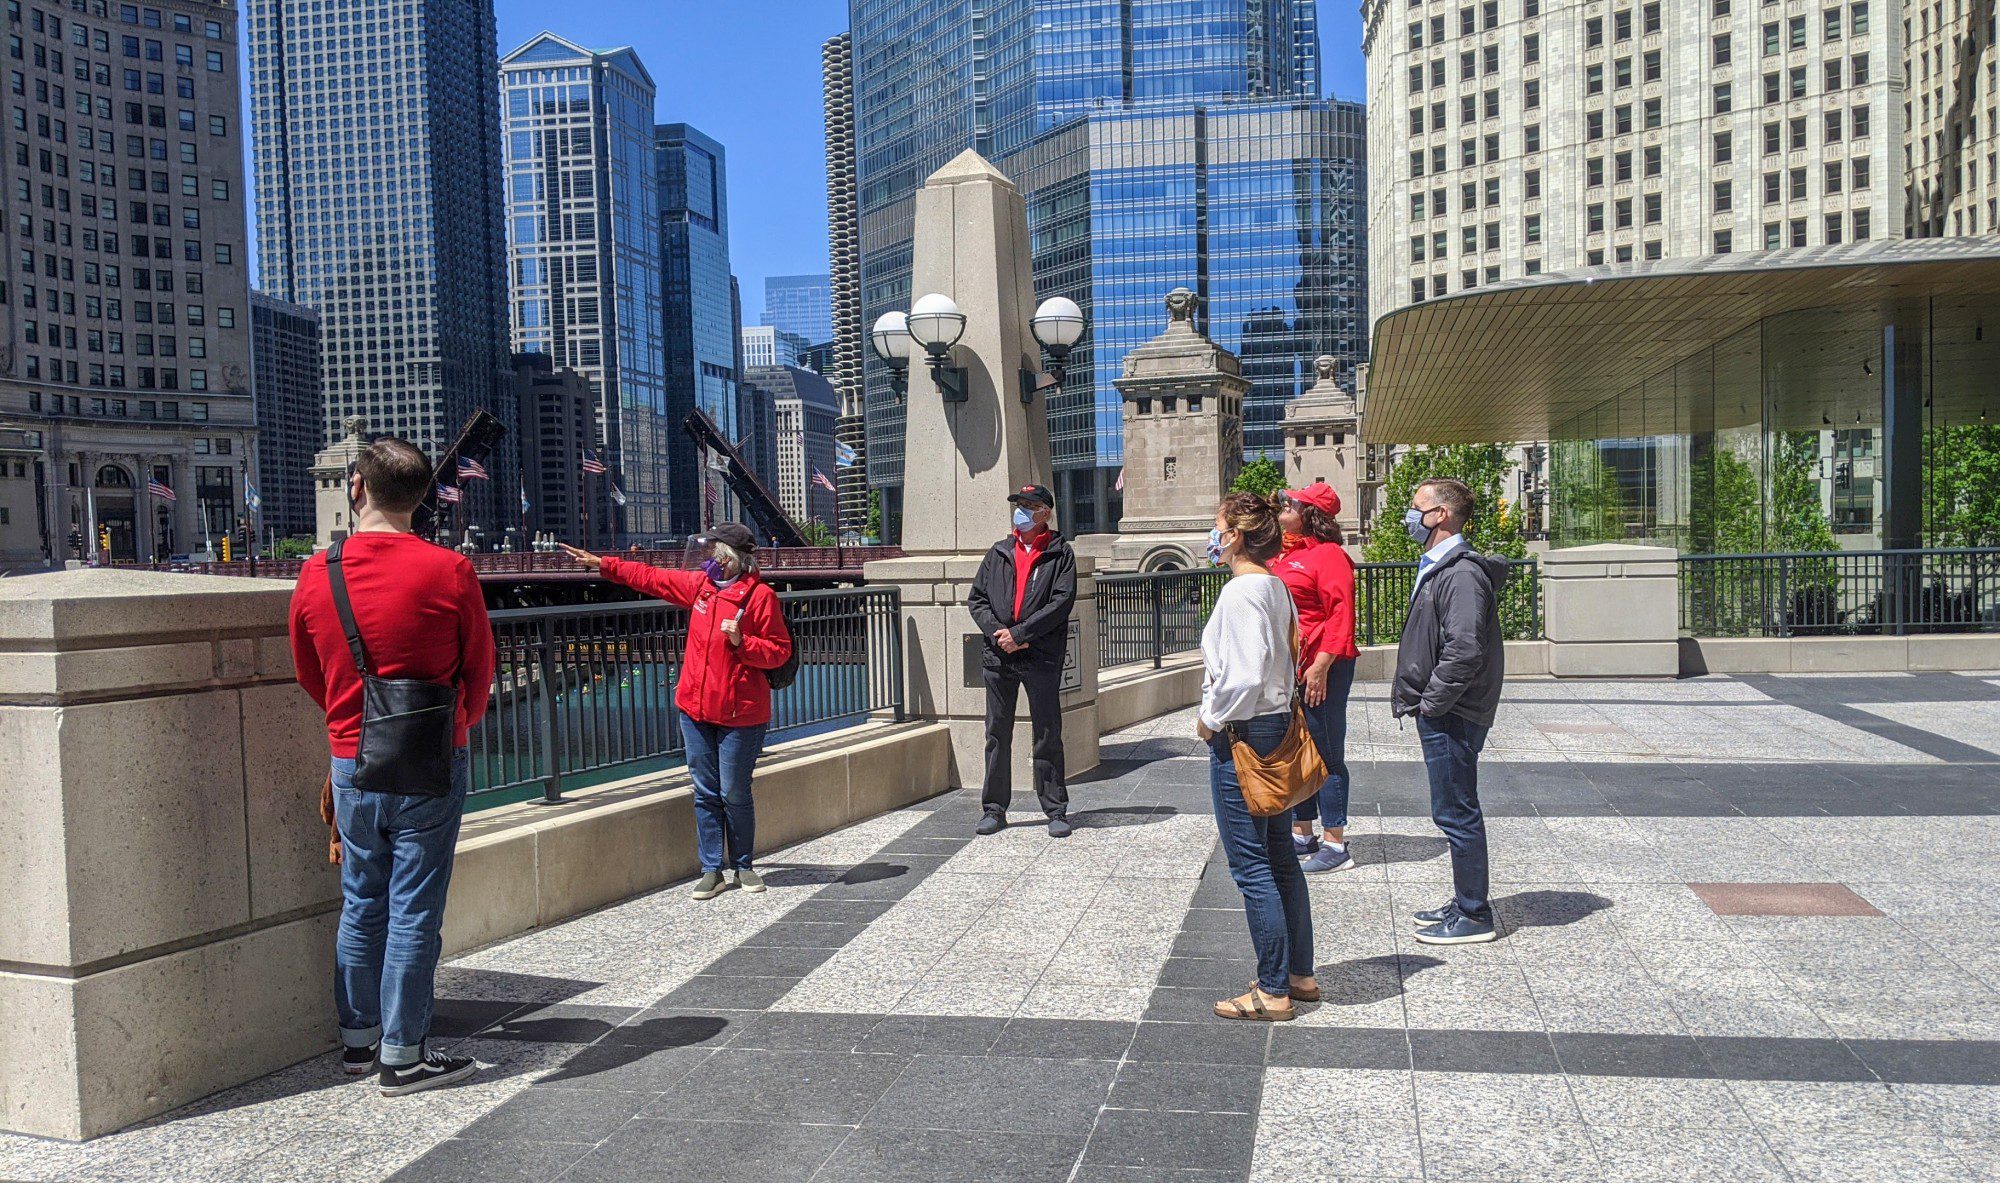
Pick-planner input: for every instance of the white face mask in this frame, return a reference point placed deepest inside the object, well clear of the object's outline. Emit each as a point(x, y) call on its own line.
point(1023, 520)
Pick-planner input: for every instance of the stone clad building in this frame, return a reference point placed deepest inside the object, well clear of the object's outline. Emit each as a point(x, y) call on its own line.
point(125, 307)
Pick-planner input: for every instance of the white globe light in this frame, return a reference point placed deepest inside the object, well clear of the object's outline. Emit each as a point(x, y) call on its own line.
point(891, 338)
point(936, 323)
point(1058, 323)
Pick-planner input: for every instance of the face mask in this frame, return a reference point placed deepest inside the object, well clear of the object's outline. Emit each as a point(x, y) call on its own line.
point(1215, 548)
point(1023, 520)
point(714, 569)
point(1413, 521)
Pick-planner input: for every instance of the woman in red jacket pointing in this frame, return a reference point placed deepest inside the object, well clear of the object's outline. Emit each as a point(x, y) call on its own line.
point(1320, 576)
point(735, 634)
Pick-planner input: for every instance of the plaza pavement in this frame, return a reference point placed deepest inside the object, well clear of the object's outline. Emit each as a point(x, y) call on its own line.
point(909, 1003)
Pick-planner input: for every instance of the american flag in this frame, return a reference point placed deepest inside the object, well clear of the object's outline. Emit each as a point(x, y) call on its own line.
point(471, 470)
point(1119, 485)
point(159, 489)
point(819, 478)
point(449, 494)
point(592, 464)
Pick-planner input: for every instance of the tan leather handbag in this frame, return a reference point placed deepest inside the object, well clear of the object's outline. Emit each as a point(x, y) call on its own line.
point(1293, 771)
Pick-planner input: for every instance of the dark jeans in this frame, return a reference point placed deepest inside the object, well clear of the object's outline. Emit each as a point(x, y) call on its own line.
point(720, 761)
point(1451, 753)
point(395, 866)
point(1041, 677)
point(1259, 850)
point(1328, 724)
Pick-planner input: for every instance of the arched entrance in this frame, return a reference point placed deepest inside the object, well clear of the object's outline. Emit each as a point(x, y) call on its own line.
point(116, 510)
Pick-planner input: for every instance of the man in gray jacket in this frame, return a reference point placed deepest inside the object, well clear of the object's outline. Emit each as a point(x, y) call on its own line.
point(1448, 673)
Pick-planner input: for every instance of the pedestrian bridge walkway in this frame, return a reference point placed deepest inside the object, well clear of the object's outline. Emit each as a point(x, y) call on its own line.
point(1743, 939)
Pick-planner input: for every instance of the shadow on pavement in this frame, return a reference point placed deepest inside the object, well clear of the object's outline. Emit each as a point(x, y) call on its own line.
point(636, 1042)
point(1115, 816)
point(808, 874)
point(1547, 909)
point(1397, 848)
point(1366, 980)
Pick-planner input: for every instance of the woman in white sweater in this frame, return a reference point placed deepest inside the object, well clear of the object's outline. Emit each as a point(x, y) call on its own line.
point(1246, 696)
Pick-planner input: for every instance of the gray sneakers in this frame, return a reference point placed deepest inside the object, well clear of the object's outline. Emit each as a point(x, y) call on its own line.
point(710, 885)
point(749, 880)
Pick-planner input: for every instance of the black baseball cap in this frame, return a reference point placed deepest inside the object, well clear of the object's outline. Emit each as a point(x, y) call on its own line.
point(1033, 495)
point(733, 535)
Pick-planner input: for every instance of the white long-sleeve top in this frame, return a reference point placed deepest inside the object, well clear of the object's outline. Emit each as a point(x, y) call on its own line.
point(1247, 651)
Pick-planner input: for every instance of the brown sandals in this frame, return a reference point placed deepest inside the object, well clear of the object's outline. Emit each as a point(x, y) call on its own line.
point(1230, 1008)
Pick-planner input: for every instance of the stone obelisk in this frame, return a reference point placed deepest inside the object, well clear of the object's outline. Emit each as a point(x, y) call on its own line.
point(962, 459)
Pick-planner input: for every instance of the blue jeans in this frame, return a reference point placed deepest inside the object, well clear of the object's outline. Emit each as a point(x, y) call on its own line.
point(1451, 753)
point(1259, 850)
point(720, 761)
point(1328, 724)
point(396, 855)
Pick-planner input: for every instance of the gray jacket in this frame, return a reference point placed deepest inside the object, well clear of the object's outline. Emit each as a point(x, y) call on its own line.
point(1451, 660)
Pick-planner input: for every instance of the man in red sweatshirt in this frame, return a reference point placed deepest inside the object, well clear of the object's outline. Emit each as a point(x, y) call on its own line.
point(420, 616)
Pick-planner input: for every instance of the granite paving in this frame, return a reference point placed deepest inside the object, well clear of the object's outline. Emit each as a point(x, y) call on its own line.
point(1743, 938)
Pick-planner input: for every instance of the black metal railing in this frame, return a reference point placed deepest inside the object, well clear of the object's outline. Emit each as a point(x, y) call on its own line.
point(1382, 594)
point(1852, 593)
point(585, 694)
point(1153, 614)
point(1150, 616)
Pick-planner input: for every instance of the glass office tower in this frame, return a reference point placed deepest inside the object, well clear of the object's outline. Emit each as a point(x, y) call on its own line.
point(801, 305)
point(377, 135)
point(583, 235)
point(697, 313)
point(1159, 143)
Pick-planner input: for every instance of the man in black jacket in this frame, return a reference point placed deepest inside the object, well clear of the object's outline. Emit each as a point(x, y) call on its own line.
point(1021, 599)
point(1448, 673)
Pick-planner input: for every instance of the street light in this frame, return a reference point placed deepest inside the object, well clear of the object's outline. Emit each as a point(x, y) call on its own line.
point(1058, 326)
point(936, 324)
point(890, 338)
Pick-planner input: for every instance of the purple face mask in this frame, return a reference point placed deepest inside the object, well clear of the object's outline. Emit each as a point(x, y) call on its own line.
point(714, 569)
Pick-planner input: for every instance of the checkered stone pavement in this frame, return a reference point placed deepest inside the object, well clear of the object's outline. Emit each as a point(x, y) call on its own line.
point(1743, 938)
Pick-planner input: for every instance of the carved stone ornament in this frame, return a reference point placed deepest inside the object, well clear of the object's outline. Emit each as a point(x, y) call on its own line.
point(1180, 305)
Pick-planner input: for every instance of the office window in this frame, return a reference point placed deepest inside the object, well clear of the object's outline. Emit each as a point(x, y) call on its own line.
point(1832, 79)
point(1724, 147)
point(1832, 30)
point(1773, 139)
point(1858, 120)
point(1860, 171)
point(1593, 32)
point(1796, 132)
point(1836, 172)
point(1833, 229)
point(1771, 39)
point(1722, 103)
point(1774, 236)
point(1857, 69)
point(1531, 94)
point(1593, 218)
point(1723, 197)
point(1531, 182)
point(1593, 171)
point(1531, 229)
point(1796, 82)
point(1653, 210)
point(1531, 138)
point(1653, 161)
point(1531, 49)
point(1719, 54)
point(1773, 188)
point(1798, 229)
point(1773, 89)
point(1651, 68)
point(1833, 125)
point(1795, 33)
point(1795, 184)
point(1593, 78)
point(1860, 216)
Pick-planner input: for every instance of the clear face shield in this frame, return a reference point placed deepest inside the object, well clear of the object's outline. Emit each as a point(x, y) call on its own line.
point(700, 555)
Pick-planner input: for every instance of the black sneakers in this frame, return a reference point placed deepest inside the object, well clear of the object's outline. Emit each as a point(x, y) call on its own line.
point(1436, 915)
point(433, 1071)
point(992, 823)
point(1456, 929)
point(358, 1061)
point(1059, 826)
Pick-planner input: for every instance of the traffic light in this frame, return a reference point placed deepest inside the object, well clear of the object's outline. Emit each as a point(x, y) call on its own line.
point(104, 539)
point(76, 543)
point(225, 548)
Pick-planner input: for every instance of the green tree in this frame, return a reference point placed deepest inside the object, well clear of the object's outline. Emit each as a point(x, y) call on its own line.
point(1798, 519)
point(293, 548)
point(816, 533)
point(1261, 476)
point(872, 528)
point(1589, 502)
point(1962, 486)
point(1483, 467)
point(1728, 504)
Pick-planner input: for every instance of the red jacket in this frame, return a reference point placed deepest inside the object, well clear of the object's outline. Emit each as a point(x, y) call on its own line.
point(421, 616)
point(1320, 577)
point(719, 683)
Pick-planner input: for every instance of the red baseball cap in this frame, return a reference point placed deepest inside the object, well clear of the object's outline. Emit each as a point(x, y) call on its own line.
point(1319, 495)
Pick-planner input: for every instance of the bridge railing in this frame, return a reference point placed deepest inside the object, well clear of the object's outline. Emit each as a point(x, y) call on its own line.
point(774, 560)
point(584, 694)
point(1843, 593)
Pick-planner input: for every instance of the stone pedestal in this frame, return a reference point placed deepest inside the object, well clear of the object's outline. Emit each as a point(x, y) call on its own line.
point(332, 514)
point(1323, 443)
point(168, 930)
point(1612, 611)
point(962, 460)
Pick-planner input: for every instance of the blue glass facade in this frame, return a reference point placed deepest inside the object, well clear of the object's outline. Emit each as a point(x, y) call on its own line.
point(584, 243)
point(1159, 143)
point(801, 305)
point(698, 314)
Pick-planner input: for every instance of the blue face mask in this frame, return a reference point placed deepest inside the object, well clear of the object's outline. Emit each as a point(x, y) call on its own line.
point(1413, 521)
point(714, 569)
point(1215, 548)
point(1023, 520)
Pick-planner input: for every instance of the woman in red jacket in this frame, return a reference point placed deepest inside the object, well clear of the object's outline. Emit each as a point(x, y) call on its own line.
point(735, 633)
point(1320, 576)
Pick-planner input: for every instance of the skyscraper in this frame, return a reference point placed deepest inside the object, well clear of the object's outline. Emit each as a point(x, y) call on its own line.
point(125, 323)
point(843, 248)
point(1158, 145)
point(765, 345)
point(583, 236)
point(801, 305)
point(698, 313)
point(378, 162)
point(285, 378)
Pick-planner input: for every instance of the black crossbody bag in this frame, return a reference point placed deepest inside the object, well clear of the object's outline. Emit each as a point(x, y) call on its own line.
point(406, 725)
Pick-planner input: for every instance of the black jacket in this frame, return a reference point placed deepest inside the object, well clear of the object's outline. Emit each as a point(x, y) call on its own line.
point(1452, 660)
point(1045, 609)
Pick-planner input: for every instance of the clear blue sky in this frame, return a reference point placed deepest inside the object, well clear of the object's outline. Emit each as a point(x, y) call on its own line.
point(753, 82)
